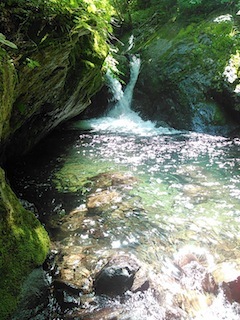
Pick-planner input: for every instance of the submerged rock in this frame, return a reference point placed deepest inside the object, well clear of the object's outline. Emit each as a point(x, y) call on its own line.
point(102, 200)
point(195, 264)
point(113, 179)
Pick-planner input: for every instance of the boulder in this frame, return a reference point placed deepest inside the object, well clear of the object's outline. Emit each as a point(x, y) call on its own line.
point(117, 276)
point(232, 290)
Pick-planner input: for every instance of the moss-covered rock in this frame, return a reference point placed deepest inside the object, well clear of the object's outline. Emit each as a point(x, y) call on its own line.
point(186, 65)
point(58, 89)
point(7, 86)
point(24, 244)
point(56, 70)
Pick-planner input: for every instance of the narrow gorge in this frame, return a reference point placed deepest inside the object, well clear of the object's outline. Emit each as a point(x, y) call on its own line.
point(119, 128)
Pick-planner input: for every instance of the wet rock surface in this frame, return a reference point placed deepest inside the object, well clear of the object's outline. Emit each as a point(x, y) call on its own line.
point(42, 84)
point(118, 276)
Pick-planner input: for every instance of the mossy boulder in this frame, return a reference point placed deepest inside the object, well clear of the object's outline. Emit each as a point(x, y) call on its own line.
point(24, 244)
point(185, 78)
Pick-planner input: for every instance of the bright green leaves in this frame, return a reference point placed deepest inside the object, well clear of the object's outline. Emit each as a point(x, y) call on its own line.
point(94, 17)
point(32, 64)
point(91, 8)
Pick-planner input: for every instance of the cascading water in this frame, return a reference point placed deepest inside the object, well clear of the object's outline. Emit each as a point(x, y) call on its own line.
point(128, 188)
point(123, 106)
point(121, 118)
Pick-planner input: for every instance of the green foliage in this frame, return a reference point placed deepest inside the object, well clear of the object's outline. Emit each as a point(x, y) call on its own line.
point(70, 17)
point(32, 64)
point(154, 12)
point(202, 6)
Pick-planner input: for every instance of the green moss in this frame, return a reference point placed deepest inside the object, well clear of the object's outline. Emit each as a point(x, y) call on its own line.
point(206, 45)
point(24, 244)
point(7, 86)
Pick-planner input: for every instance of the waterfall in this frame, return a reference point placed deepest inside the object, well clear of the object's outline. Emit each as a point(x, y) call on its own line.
point(121, 118)
point(114, 86)
point(123, 106)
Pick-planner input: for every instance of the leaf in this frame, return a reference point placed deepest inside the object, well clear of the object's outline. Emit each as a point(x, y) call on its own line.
point(92, 8)
point(32, 64)
point(6, 42)
point(21, 107)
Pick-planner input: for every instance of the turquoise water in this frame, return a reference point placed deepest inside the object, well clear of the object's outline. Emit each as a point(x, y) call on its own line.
point(177, 192)
point(187, 183)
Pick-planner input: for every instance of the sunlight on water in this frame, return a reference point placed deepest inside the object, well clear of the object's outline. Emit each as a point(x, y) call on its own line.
point(185, 204)
point(191, 192)
point(155, 197)
point(220, 310)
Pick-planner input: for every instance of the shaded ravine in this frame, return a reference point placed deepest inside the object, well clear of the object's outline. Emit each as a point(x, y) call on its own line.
point(166, 201)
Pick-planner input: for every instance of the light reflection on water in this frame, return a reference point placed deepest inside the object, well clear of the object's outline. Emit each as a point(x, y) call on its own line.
point(187, 192)
point(189, 181)
point(188, 186)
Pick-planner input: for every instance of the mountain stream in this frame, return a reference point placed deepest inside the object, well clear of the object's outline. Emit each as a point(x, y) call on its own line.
point(120, 186)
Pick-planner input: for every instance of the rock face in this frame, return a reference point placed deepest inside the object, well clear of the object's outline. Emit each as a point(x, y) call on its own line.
point(189, 77)
point(49, 79)
point(51, 93)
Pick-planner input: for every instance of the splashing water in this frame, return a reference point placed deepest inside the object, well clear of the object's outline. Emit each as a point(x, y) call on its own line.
point(121, 118)
point(123, 106)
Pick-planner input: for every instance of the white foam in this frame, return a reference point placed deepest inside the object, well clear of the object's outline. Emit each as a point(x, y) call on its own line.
point(121, 118)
